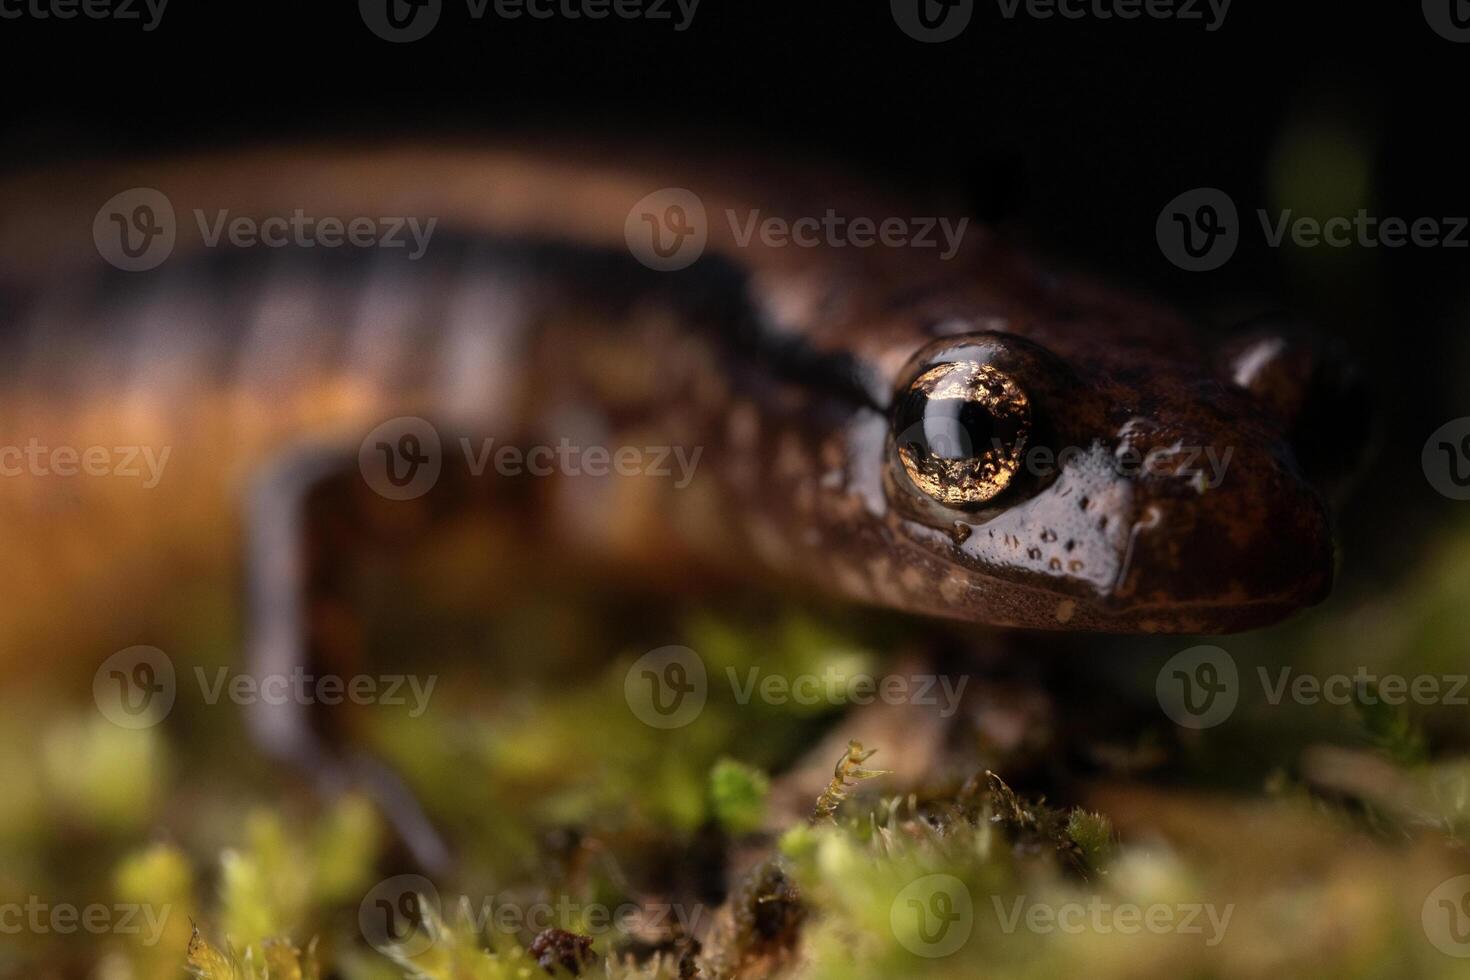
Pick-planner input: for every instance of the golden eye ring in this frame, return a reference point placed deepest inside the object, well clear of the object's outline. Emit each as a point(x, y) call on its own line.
point(960, 432)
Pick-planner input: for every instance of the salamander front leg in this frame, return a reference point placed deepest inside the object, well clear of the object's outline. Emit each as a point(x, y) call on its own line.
point(281, 590)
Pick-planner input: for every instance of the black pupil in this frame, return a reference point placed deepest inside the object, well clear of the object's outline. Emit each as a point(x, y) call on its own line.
point(952, 428)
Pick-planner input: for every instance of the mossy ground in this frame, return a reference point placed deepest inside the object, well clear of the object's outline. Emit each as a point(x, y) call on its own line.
point(1293, 839)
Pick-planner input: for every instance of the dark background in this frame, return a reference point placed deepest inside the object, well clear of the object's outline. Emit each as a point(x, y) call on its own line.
point(1070, 134)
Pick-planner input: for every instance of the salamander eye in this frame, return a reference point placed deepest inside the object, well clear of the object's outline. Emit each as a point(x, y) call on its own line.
point(960, 430)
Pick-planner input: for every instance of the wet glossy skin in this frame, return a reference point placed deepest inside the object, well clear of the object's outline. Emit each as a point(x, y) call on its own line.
point(1157, 494)
point(1159, 488)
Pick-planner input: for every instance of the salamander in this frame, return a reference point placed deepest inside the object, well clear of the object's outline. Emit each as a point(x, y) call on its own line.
point(974, 435)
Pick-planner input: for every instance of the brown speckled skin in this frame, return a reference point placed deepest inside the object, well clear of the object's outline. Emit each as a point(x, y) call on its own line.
point(779, 364)
point(1091, 545)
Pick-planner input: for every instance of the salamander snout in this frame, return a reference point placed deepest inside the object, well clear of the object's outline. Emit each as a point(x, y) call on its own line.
point(1071, 494)
point(1310, 386)
point(1225, 534)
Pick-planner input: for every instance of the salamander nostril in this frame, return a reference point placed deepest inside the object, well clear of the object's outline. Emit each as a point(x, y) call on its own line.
point(1310, 385)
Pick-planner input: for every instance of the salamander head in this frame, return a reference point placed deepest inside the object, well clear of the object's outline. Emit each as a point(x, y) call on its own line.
point(1109, 488)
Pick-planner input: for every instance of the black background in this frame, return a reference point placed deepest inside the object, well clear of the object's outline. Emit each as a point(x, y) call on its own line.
point(1071, 134)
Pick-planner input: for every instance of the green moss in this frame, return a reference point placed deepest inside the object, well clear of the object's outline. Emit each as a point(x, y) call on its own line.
point(443, 951)
point(1390, 727)
point(1093, 833)
point(98, 775)
point(344, 849)
point(159, 880)
point(278, 884)
point(275, 960)
point(737, 794)
point(159, 870)
point(22, 805)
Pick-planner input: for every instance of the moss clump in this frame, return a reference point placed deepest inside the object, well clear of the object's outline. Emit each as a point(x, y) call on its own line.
point(1082, 838)
point(278, 960)
point(100, 776)
point(1390, 727)
point(737, 794)
point(1093, 834)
